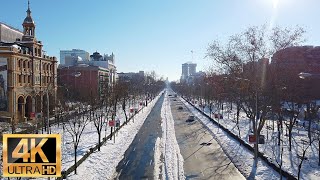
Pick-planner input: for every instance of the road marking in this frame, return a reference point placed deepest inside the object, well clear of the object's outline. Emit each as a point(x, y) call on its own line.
point(134, 149)
point(150, 162)
point(127, 162)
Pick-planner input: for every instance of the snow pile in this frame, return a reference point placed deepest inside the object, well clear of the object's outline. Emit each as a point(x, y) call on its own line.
point(102, 164)
point(173, 157)
point(242, 158)
point(158, 160)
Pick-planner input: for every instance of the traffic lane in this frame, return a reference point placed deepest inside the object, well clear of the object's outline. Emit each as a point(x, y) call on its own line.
point(203, 156)
point(138, 159)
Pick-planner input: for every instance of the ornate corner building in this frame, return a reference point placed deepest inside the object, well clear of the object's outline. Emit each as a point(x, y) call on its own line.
point(27, 75)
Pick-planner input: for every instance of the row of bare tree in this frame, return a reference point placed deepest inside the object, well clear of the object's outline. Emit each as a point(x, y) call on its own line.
point(121, 96)
point(242, 76)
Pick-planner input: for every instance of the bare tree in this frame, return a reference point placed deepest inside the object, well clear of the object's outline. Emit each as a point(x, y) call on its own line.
point(75, 127)
point(246, 55)
point(302, 156)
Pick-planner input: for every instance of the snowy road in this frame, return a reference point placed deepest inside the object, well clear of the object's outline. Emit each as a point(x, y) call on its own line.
point(203, 156)
point(138, 161)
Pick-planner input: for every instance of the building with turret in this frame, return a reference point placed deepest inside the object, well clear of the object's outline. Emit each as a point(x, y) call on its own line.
point(27, 75)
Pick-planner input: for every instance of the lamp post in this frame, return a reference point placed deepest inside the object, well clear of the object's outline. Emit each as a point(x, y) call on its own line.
point(305, 75)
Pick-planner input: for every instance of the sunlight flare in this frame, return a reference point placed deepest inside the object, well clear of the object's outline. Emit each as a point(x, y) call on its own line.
point(275, 3)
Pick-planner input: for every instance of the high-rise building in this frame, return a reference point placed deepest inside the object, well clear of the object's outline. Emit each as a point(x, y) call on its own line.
point(192, 69)
point(74, 53)
point(189, 70)
point(27, 75)
point(185, 71)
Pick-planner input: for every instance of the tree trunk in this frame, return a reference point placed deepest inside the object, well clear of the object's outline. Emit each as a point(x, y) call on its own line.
point(75, 159)
point(290, 138)
point(238, 113)
point(99, 141)
point(309, 119)
point(279, 129)
point(124, 108)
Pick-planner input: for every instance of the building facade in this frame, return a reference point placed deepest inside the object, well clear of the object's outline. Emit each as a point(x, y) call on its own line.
point(73, 53)
point(129, 76)
point(27, 76)
point(286, 64)
point(96, 59)
point(91, 82)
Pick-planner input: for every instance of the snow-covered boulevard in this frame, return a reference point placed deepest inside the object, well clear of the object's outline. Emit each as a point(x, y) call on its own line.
point(164, 142)
point(160, 144)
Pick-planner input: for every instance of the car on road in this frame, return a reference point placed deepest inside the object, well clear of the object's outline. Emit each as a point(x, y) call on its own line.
point(191, 118)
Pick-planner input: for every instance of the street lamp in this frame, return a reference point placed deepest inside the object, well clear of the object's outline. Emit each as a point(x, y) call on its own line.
point(304, 75)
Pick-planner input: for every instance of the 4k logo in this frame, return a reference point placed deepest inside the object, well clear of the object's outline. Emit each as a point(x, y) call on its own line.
point(31, 155)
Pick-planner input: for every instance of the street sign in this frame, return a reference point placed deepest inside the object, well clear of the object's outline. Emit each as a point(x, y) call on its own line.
point(131, 110)
point(216, 116)
point(252, 138)
point(118, 123)
point(38, 115)
point(140, 103)
point(261, 139)
point(111, 123)
point(32, 114)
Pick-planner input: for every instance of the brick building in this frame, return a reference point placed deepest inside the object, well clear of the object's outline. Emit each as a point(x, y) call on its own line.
point(286, 64)
point(83, 81)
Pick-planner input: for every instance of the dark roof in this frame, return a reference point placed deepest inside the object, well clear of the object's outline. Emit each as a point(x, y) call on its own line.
point(10, 27)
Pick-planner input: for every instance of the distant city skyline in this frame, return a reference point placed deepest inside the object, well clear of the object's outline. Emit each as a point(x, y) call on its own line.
point(155, 35)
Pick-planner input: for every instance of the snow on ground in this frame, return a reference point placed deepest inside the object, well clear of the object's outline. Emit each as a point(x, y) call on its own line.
point(159, 167)
point(291, 160)
point(239, 155)
point(89, 137)
point(102, 164)
point(172, 155)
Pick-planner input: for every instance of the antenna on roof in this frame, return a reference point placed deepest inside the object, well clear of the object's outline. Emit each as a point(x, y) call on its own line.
point(192, 55)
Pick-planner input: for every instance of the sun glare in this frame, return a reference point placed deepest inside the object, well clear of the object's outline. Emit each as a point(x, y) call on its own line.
point(275, 3)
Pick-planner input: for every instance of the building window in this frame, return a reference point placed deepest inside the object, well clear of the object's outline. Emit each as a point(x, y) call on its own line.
point(19, 79)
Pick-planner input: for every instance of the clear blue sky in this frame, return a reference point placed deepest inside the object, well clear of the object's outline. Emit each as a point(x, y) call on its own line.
point(155, 34)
